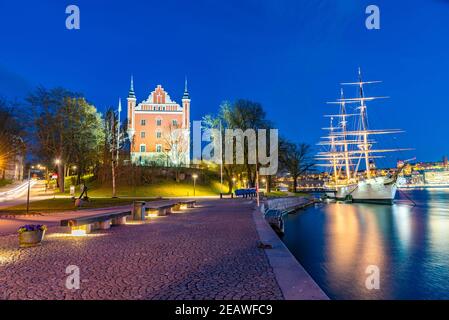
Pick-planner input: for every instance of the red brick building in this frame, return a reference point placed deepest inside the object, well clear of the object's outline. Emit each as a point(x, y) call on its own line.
point(159, 128)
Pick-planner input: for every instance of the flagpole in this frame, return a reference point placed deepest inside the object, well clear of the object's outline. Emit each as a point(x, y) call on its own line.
point(257, 179)
point(221, 157)
point(118, 127)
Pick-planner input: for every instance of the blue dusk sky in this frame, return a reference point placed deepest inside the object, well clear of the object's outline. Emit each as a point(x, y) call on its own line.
point(288, 55)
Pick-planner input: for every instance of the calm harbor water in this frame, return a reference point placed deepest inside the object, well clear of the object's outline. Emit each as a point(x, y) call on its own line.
point(336, 242)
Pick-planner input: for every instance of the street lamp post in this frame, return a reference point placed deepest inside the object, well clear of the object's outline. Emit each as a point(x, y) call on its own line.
point(29, 187)
point(194, 176)
point(60, 175)
point(45, 170)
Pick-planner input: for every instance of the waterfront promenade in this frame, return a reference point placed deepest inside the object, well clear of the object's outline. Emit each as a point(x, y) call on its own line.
point(208, 252)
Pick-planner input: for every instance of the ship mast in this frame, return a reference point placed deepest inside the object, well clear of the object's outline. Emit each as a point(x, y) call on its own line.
point(340, 154)
point(333, 149)
point(364, 126)
point(363, 131)
point(345, 143)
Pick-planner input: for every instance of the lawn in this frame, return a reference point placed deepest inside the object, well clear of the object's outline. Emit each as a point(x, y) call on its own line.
point(279, 194)
point(4, 182)
point(64, 204)
point(101, 197)
point(161, 189)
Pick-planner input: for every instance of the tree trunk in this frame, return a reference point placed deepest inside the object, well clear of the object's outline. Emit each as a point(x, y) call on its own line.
point(61, 177)
point(250, 175)
point(114, 193)
point(295, 183)
point(268, 184)
point(133, 179)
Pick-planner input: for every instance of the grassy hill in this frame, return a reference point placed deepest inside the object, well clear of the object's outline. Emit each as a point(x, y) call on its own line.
point(159, 189)
point(164, 188)
point(61, 205)
point(101, 196)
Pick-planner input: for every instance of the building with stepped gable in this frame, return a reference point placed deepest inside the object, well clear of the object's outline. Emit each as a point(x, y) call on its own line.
point(159, 128)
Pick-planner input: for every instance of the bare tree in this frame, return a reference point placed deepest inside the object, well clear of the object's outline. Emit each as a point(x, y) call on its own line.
point(295, 158)
point(243, 115)
point(112, 145)
point(175, 147)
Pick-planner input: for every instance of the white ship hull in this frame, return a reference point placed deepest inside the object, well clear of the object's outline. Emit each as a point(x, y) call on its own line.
point(375, 190)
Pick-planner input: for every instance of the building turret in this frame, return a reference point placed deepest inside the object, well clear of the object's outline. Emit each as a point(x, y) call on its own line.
point(131, 108)
point(186, 107)
point(131, 89)
point(186, 122)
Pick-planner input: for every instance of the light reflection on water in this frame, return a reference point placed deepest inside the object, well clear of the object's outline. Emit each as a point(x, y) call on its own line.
point(336, 242)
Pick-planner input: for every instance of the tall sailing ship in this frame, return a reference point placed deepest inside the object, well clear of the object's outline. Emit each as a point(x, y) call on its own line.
point(349, 145)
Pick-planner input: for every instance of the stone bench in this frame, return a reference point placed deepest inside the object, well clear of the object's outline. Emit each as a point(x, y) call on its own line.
point(162, 209)
point(186, 204)
point(166, 208)
point(100, 221)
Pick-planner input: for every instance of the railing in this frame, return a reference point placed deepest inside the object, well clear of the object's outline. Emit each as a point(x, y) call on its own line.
point(275, 209)
point(251, 192)
point(286, 203)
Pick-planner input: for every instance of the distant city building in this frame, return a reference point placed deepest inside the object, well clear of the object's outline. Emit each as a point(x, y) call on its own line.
point(421, 166)
point(13, 169)
point(425, 174)
point(284, 181)
point(159, 128)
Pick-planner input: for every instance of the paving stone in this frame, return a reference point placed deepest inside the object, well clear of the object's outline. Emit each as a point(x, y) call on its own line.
point(209, 252)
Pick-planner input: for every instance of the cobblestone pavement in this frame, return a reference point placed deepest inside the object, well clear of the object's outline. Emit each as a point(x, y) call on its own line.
point(209, 252)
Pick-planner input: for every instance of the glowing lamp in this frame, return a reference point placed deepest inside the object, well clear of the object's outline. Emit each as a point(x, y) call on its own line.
point(78, 233)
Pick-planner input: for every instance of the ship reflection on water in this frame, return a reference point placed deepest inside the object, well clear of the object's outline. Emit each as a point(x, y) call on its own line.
point(336, 242)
